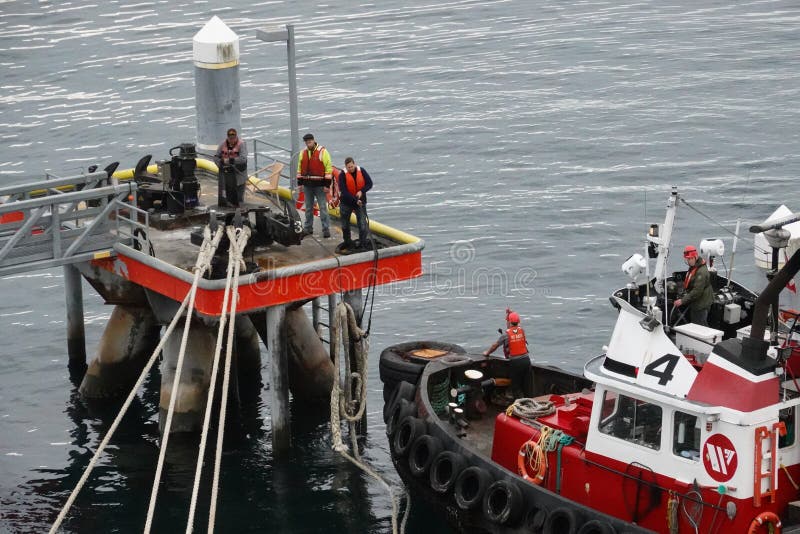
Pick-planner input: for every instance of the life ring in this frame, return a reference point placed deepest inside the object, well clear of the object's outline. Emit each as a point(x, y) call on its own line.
point(424, 450)
point(503, 503)
point(765, 518)
point(527, 452)
point(445, 470)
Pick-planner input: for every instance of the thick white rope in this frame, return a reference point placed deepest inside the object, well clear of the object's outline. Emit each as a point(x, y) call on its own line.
point(211, 389)
point(110, 433)
point(203, 263)
point(342, 327)
point(238, 238)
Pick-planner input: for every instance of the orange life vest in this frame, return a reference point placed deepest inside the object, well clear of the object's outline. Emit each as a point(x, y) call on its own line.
point(312, 166)
point(690, 274)
point(231, 152)
point(354, 185)
point(517, 345)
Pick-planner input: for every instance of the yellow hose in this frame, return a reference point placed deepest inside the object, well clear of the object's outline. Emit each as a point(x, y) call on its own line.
point(378, 228)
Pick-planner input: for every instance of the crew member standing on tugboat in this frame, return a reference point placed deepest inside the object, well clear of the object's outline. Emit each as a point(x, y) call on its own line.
point(314, 173)
point(699, 295)
point(231, 160)
point(515, 348)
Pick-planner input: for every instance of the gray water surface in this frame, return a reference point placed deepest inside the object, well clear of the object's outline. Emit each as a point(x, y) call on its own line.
point(529, 143)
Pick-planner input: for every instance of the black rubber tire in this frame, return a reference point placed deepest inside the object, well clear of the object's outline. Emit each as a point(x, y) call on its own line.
point(535, 519)
point(595, 526)
point(445, 470)
point(388, 375)
point(404, 390)
point(471, 485)
point(424, 450)
point(402, 410)
point(503, 503)
point(397, 363)
point(407, 433)
point(561, 521)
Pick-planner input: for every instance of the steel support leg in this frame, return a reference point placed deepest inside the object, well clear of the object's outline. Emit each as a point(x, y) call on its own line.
point(76, 338)
point(279, 387)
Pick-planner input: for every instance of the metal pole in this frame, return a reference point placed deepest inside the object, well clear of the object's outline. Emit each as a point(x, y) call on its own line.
point(281, 433)
point(294, 126)
point(76, 339)
point(331, 319)
point(316, 311)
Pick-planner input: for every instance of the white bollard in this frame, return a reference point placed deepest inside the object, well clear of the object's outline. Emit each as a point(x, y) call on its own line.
point(215, 51)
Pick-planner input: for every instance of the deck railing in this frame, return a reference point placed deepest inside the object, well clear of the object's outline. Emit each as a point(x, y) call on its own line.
point(55, 222)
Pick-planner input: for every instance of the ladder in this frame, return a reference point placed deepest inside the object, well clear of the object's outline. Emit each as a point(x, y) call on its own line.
point(771, 458)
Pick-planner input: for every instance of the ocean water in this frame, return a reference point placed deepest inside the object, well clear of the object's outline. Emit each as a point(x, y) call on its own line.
point(529, 143)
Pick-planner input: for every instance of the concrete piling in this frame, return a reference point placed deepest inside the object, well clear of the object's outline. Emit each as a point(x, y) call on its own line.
point(215, 51)
point(310, 366)
point(76, 338)
point(195, 378)
point(281, 433)
point(128, 340)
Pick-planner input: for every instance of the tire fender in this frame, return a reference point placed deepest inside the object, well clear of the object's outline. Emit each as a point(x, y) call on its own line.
point(503, 503)
point(402, 410)
point(596, 526)
point(471, 485)
point(445, 470)
point(422, 453)
point(561, 521)
point(409, 430)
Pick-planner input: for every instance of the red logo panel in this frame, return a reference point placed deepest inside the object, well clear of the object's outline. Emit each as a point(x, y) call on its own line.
point(720, 458)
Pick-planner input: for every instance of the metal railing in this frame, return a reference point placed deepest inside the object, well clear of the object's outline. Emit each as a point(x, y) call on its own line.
point(274, 153)
point(67, 220)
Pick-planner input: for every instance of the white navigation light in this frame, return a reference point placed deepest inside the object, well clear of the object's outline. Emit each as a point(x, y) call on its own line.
point(636, 267)
point(712, 248)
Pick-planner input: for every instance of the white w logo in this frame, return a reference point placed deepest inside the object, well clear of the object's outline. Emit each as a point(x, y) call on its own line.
point(720, 458)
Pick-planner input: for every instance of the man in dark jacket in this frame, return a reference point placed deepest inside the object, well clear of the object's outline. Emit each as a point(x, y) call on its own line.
point(231, 160)
point(354, 182)
point(699, 294)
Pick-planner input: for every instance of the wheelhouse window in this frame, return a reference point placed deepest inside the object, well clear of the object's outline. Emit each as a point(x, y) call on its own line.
point(788, 417)
point(685, 436)
point(631, 419)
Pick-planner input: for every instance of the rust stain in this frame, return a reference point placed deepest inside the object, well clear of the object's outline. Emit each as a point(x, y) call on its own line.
point(226, 52)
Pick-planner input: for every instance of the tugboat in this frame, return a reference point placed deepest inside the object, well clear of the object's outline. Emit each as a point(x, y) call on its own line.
point(674, 428)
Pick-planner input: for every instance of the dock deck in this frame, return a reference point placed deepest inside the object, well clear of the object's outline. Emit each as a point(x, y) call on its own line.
point(284, 274)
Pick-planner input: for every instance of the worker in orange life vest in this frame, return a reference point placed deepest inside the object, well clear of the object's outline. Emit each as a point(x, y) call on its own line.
point(515, 348)
point(699, 294)
point(354, 182)
point(314, 173)
point(231, 160)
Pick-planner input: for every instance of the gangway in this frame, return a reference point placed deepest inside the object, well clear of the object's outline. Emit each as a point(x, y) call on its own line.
point(61, 221)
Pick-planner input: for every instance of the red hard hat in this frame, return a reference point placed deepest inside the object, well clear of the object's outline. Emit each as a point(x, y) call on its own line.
point(512, 317)
point(689, 252)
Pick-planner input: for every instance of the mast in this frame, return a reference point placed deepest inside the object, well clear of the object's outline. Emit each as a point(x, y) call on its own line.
point(663, 241)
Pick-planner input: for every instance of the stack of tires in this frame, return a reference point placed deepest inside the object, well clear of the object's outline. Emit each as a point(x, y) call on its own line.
point(398, 363)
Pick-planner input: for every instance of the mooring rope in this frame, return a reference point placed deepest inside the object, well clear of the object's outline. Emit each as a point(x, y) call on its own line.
point(232, 258)
point(238, 238)
point(208, 244)
point(345, 328)
point(203, 263)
